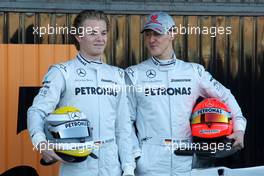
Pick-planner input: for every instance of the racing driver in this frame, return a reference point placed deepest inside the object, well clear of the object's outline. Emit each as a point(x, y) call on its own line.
point(163, 91)
point(88, 84)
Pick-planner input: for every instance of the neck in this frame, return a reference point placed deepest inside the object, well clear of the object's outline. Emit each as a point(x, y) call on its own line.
point(165, 56)
point(90, 57)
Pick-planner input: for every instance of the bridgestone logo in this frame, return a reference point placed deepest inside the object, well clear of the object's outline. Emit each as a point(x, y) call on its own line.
point(209, 131)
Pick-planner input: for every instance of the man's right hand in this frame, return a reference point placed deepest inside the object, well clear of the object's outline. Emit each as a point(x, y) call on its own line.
point(47, 153)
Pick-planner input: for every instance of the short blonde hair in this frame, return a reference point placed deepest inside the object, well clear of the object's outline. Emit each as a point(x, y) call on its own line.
point(88, 14)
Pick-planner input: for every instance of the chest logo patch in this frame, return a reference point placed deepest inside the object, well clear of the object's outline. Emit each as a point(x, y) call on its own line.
point(151, 73)
point(81, 72)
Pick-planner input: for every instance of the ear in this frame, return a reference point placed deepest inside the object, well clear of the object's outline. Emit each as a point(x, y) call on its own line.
point(78, 38)
point(172, 37)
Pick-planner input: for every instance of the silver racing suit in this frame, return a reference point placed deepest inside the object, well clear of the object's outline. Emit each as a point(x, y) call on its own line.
point(161, 103)
point(89, 86)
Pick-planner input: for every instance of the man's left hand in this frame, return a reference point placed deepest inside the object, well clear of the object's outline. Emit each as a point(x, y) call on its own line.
point(238, 136)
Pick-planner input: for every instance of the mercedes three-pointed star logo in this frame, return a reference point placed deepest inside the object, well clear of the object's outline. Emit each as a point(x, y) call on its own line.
point(151, 73)
point(81, 72)
point(74, 115)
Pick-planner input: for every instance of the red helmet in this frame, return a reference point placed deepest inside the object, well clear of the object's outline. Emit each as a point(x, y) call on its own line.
point(211, 118)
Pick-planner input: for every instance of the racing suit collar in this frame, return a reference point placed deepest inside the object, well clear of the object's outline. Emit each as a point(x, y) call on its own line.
point(164, 65)
point(85, 61)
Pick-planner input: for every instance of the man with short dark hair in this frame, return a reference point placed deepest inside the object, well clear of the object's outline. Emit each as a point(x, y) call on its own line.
point(162, 111)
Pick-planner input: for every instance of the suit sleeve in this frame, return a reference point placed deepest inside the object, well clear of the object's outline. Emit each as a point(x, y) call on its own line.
point(44, 103)
point(132, 103)
point(210, 87)
point(123, 130)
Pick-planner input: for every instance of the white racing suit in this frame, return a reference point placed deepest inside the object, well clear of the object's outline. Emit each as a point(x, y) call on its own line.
point(88, 86)
point(161, 105)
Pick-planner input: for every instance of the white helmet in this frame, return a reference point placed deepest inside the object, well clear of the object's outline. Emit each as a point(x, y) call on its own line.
point(69, 132)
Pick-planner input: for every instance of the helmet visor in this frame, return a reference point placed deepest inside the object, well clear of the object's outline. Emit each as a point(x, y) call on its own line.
point(210, 117)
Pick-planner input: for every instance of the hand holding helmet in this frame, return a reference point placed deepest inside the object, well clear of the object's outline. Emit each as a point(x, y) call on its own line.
point(212, 123)
point(212, 131)
point(68, 132)
point(238, 137)
point(48, 156)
